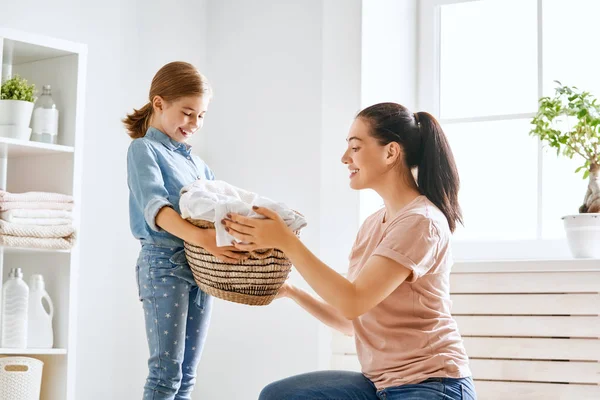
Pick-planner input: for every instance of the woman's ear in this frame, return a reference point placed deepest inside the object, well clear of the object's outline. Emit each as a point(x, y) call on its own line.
point(393, 153)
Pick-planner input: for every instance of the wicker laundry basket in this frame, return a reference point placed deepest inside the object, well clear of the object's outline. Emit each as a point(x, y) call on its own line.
point(254, 281)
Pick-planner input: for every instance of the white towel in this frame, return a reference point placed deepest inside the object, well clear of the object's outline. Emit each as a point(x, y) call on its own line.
point(35, 197)
point(213, 200)
point(55, 231)
point(37, 205)
point(34, 213)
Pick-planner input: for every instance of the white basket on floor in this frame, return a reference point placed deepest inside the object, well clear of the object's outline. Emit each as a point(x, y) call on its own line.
point(20, 378)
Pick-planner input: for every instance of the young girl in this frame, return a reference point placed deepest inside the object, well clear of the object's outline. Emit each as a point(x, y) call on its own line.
point(396, 298)
point(159, 164)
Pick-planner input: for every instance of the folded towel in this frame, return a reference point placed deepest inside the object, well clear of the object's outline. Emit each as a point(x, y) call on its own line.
point(56, 231)
point(38, 243)
point(34, 213)
point(41, 205)
point(213, 200)
point(35, 197)
point(37, 221)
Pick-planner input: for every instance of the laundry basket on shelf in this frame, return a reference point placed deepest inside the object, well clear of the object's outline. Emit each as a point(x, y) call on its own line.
point(254, 281)
point(20, 378)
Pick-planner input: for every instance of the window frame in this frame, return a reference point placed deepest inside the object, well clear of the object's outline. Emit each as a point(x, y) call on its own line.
point(428, 98)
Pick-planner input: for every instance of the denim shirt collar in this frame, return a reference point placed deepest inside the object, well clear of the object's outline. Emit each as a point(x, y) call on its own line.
point(159, 136)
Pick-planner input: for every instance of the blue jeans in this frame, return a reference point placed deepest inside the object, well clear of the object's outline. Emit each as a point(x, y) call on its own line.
point(346, 385)
point(177, 316)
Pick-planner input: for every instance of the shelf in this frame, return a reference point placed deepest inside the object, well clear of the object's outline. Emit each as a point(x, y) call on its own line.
point(24, 250)
point(41, 352)
point(12, 148)
point(23, 47)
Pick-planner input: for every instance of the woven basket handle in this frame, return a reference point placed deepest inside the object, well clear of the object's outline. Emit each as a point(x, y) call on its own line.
point(261, 254)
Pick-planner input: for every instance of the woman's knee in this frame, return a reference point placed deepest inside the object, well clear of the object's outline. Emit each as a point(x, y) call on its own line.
point(280, 390)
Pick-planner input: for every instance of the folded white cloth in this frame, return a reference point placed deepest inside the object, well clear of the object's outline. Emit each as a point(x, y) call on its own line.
point(35, 205)
point(35, 197)
point(38, 221)
point(213, 200)
point(38, 243)
point(26, 214)
point(56, 231)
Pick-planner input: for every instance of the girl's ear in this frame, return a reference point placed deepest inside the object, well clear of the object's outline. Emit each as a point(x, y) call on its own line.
point(158, 103)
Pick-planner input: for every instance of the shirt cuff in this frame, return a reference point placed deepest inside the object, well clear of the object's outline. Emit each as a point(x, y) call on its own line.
point(152, 209)
point(402, 260)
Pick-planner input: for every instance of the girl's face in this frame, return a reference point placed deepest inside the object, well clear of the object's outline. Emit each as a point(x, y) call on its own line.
point(181, 118)
point(367, 160)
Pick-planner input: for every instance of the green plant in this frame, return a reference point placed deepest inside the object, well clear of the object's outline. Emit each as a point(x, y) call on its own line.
point(570, 123)
point(17, 88)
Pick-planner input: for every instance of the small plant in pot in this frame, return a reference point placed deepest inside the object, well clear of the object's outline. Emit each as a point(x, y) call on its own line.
point(570, 123)
point(16, 106)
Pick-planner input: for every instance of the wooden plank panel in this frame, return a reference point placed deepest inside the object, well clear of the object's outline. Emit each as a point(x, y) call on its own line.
point(504, 348)
point(345, 363)
point(488, 390)
point(526, 282)
point(533, 348)
point(536, 371)
point(526, 304)
point(577, 327)
point(342, 344)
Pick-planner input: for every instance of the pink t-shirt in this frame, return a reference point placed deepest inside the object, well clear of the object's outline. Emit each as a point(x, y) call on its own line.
point(410, 336)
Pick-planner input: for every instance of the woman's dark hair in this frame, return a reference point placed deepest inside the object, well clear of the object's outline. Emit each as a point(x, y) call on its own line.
point(426, 147)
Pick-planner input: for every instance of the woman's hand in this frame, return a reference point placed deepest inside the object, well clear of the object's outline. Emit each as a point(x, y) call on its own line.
point(285, 290)
point(271, 232)
point(207, 239)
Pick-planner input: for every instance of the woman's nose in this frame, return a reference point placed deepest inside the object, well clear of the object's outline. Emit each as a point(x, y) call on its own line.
point(345, 158)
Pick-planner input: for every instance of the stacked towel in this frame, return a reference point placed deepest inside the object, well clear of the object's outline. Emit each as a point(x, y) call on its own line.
point(213, 200)
point(37, 220)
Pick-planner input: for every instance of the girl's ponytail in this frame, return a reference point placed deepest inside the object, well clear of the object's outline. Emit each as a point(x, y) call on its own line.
point(138, 121)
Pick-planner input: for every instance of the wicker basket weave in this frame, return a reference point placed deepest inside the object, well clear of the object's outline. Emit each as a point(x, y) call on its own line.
point(254, 281)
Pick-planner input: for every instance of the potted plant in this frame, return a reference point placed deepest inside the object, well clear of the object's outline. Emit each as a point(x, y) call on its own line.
point(570, 123)
point(16, 107)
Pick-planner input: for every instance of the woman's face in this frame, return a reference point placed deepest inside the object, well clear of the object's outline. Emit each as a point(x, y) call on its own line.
point(367, 160)
point(181, 118)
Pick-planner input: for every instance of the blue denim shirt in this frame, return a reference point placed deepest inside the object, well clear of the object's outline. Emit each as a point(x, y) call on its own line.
point(157, 168)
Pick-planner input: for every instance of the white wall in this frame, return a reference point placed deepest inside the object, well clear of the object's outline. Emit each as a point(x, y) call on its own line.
point(286, 87)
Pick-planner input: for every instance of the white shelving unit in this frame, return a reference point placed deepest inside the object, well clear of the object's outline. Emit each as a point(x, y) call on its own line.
point(31, 166)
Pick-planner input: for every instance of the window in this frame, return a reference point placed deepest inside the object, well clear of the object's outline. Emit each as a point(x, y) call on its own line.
point(483, 64)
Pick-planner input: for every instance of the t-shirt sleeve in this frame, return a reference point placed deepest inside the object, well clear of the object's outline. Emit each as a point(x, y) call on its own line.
point(412, 242)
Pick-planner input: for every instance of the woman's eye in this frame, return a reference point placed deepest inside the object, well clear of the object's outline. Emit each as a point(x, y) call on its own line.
point(187, 114)
point(355, 149)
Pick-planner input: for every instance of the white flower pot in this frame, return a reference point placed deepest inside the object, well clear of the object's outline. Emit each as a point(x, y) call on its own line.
point(15, 112)
point(583, 234)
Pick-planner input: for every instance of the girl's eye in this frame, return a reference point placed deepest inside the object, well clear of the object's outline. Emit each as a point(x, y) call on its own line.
point(355, 149)
point(187, 114)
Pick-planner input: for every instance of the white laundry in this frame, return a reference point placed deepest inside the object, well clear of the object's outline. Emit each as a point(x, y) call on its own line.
point(213, 200)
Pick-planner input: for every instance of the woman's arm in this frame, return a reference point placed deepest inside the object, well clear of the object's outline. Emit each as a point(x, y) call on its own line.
point(319, 309)
point(169, 220)
point(376, 281)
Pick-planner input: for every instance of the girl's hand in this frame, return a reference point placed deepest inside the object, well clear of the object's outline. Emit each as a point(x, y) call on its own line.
point(271, 232)
point(207, 239)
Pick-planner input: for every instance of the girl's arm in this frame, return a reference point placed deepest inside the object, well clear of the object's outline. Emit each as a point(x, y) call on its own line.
point(319, 309)
point(169, 220)
point(145, 181)
point(376, 281)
